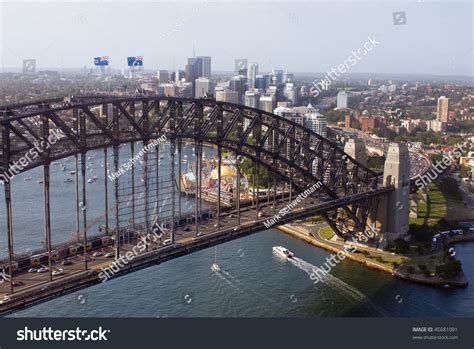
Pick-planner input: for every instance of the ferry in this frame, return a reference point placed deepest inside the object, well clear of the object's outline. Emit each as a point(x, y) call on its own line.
point(283, 252)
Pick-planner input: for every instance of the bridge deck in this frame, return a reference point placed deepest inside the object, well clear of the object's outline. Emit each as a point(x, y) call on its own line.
point(36, 287)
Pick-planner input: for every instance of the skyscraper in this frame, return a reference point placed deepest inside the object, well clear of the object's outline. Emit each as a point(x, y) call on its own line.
point(277, 76)
point(237, 84)
point(252, 71)
point(204, 87)
point(204, 66)
point(317, 123)
point(268, 102)
point(192, 72)
point(241, 66)
point(443, 109)
point(342, 100)
point(252, 99)
point(226, 95)
point(163, 76)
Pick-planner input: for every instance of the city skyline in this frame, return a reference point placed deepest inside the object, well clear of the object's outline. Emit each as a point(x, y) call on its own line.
point(87, 33)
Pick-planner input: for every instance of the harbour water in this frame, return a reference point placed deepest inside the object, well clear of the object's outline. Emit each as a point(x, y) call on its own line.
point(254, 282)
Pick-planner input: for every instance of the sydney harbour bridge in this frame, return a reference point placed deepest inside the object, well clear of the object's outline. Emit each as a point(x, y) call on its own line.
point(348, 194)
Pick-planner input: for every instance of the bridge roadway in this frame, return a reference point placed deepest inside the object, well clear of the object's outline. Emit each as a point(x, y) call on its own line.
point(36, 287)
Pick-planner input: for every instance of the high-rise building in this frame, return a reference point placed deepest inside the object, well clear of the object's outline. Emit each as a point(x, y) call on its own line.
point(252, 71)
point(163, 76)
point(177, 75)
point(342, 100)
point(443, 109)
point(203, 88)
point(252, 99)
point(261, 82)
point(317, 123)
point(192, 72)
point(277, 77)
point(287, 77)
point(237, 84)
point(241, 66)
point(290, 92)
point(170, 90)
point(268, 102)
point(204, 66)
point(226, 95)
point(290, 114)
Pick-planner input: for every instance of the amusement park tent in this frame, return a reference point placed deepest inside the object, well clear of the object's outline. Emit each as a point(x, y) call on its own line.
point(226, 171)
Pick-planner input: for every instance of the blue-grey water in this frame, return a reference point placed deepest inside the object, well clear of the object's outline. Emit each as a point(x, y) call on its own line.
point(253, 282)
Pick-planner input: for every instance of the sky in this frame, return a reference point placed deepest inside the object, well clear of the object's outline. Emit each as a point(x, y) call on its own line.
point(305, 36)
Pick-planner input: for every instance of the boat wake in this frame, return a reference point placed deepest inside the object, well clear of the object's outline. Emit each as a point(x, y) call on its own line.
point(240, 286)
point(344, 289)
point(332, 281)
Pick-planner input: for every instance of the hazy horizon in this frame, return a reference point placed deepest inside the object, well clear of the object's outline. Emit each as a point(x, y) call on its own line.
point(300, 37)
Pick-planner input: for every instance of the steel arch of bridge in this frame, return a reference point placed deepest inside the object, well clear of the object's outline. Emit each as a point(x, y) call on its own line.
point(291, 151)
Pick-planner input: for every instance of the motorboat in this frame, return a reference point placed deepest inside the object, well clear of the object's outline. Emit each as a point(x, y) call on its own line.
point(68, 180)
point(283, 252)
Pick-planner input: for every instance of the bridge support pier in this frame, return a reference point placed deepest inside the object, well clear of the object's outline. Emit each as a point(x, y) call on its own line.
point(396, 209)
point(145, 179)
point(8, 204)
point(237, 162)
point(116, 199)
point(106, 193)
point(357, 150)
point(84, 207)
point(219, 164)
point(78, 222)
point(172, 153)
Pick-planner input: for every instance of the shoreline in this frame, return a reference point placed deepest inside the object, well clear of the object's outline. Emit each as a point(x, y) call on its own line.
point(460, 281)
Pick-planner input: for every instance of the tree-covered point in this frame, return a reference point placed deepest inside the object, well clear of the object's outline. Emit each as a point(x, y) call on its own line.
point(450, 269)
